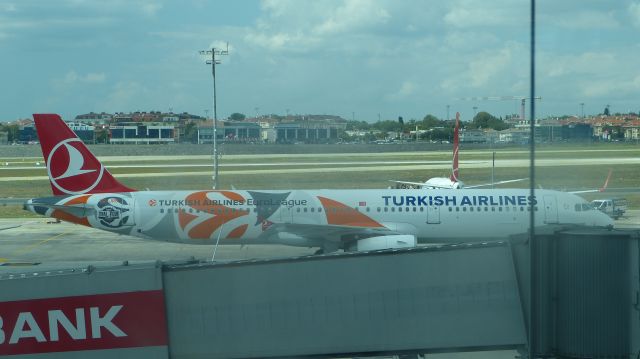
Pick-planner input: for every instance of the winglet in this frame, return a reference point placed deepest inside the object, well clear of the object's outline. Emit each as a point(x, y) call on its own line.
point(71, 167)
point(606, 182)
point(454, 169)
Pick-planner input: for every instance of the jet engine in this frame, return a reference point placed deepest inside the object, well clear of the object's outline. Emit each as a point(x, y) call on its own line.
point(385, 242)
point(290, 239)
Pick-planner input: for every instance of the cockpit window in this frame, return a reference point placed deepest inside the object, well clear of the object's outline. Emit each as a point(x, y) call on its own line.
point(579, 207)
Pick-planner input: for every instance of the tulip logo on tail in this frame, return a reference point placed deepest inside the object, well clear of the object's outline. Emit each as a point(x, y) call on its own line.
point(69, 169)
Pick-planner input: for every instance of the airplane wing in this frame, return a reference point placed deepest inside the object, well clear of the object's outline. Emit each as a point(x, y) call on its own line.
point(408, 182)
point(601, 189)
point(495, 183)
point(327, 231)
point(465, 186)
point(421, 184)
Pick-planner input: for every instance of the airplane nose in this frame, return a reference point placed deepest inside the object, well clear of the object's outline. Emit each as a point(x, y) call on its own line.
point(604, 220)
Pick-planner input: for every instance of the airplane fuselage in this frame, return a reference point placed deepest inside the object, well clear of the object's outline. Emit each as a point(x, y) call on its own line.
point(308, 217)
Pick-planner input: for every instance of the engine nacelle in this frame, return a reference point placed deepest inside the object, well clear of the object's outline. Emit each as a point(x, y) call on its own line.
point(386, 242)
point(290, 239)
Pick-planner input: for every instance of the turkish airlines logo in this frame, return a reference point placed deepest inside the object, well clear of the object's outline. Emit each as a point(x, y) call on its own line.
point(72, 169)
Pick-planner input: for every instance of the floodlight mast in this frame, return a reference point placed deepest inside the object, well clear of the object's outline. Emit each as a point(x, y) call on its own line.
point(503, 98)
point(213, 62)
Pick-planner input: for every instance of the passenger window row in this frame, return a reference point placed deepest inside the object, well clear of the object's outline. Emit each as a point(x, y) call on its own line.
point(367, 209)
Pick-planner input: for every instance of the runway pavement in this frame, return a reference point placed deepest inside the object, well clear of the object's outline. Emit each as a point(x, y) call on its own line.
point(364, 166)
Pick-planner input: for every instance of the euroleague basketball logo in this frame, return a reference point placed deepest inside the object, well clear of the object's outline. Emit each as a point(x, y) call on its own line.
point(71, 169)
point(113, 212)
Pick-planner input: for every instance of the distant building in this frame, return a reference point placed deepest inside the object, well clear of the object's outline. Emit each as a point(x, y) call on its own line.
point(85, 132)
point(170, 118)
point(491, 135)
point(94, 118)
point(4, 138)
point(305, 132)
point(610, 127)
point(141, 133)
point(472, 136)
point(577, 132)
point(230, 132)
point(514, 135)
point(632, 130)
point(27, 134)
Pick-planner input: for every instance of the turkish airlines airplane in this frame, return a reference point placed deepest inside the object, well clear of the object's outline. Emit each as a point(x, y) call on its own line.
point(86, 193)
point(453, 181)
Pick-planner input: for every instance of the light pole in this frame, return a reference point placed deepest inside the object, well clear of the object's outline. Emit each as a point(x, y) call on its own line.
point(213, 62)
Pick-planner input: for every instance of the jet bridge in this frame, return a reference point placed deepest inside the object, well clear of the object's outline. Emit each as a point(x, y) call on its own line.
point(421, 300)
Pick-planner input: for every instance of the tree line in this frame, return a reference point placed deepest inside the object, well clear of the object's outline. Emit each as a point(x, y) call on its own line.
point(433, 127)
point(13, 131)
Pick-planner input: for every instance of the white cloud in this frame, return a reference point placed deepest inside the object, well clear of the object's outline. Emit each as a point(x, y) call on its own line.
point(72, 77)
point(483, 68)
point(585, 20)
point(306, 26)
point(19, 24)
point(126, 95)
point(150, 8)
point(146, 7)
point(468, 40)
point(611, 88)
point(407, 89)
point(488, 70)
point(480, 13)
point(8, 7)
point(352, 14)
point(586, 63)
point(634, 11)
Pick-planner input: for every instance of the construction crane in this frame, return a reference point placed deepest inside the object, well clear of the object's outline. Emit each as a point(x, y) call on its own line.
point(522, 99)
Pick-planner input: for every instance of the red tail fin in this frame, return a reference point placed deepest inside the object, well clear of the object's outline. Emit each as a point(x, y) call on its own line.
point(606, 182)
point(71, 167)
point(454, 170)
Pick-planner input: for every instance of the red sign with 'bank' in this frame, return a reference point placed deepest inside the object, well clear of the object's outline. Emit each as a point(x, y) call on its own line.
point(90, 322)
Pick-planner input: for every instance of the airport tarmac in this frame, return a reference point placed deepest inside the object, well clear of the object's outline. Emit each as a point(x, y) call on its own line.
point(44, 240)
point(40, 240)
point(26, 244)
point(349, 166)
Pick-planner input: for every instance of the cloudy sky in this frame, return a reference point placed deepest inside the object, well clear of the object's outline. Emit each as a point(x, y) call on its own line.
point(354, 58)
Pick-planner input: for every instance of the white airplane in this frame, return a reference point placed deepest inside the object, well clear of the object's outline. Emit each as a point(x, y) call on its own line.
point(453, 181)
point(86, 193)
